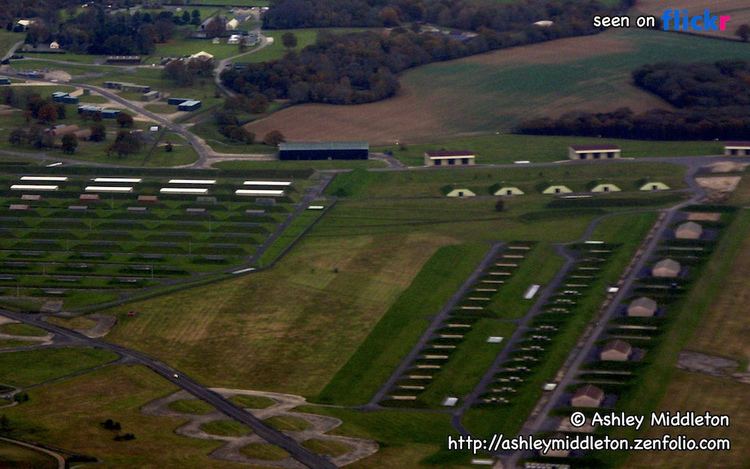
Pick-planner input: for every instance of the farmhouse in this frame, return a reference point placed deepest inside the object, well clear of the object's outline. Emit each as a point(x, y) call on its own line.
point(449, 158)
point(460, 193)
point(587, 396)
point(557, 189)
point(654, 186)
point(593, 152)
point(508, 191)
point(667, 268)
point(642, 307)
point(604, 187)
point(737, 148)
point(616, 351)
point(689, 230)
point(324, 151)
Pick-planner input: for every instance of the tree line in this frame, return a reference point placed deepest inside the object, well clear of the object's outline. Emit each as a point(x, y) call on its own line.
point(713, 101)
point(471, 15)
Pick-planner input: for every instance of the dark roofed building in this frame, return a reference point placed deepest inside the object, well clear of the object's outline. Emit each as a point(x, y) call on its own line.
point(324, 151)
point(594, 152)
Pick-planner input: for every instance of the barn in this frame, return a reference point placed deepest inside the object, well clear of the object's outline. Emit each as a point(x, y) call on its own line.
point(324, 150)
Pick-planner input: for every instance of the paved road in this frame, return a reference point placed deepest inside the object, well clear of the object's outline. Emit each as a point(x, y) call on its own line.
point(269, 434)
point(434, 325)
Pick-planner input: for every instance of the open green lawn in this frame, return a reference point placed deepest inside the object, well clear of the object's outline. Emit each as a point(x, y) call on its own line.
point(36, 366)
point(507, 148)
point(68, 414)
point(191, 406)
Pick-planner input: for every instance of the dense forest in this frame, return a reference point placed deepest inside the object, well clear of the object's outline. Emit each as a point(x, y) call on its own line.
point(713, 101)
point(355, 68)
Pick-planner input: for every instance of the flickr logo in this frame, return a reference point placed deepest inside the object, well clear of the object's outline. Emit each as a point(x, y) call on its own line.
point(680, 20)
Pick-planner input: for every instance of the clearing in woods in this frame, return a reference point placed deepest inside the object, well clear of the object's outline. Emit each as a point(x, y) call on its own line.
point(494, 91)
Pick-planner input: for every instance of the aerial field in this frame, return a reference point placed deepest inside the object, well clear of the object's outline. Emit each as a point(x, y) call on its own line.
point(494, 91)
point(737, 9)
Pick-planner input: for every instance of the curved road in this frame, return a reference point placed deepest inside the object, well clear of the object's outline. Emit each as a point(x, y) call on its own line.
point(269, 434)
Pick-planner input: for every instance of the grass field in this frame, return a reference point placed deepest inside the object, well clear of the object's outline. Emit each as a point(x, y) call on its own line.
point(68, 415)
point(507, 148)
point(36, 366)
point(7, 39)
point(18, 457)
point(492, 92)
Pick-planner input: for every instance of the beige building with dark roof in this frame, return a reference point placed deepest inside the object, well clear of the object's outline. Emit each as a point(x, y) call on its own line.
point(667, 268)
point(642, 307)
point(616, 351)
point(737, 148)
point(449, 158)
point(594, 152)
point(689, 230)
point(587, 396)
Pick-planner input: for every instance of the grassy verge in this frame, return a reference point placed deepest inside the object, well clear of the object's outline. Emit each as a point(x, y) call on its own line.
point(401, 326)
point(36, 366)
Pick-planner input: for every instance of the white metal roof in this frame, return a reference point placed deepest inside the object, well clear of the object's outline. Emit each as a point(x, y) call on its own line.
point(192, 181)
point(183, 190)
point(267, 183)
point(32, 187)
point(259, 192)
point(116, 180)
point(44, 178)
point(109, 189)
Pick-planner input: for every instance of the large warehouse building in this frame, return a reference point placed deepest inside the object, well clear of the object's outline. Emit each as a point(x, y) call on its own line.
point(324, 151)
